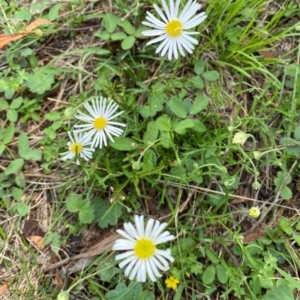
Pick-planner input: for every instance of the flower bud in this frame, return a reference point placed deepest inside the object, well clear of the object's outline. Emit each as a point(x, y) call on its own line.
point(256, 185)
point(254, 212)
point(257, 154)
point(69, 112)
point(240, 138)
point(63, 295)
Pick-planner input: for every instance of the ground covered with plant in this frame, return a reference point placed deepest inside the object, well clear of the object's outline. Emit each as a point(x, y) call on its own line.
point(149, 149)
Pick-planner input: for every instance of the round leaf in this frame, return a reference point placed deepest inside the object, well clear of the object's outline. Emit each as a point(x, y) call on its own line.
point(211, 75)
point(177, 108)
point(128, 42)
point(208, 275)
point(199, 104)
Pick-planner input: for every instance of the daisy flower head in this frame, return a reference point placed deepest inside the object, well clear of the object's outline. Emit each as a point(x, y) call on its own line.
point(98, 121)
point(172, 31)
point(79, 145)
point(142, 257)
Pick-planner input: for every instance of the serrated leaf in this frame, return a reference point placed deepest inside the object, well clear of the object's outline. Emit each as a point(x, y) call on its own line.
point(86, 213)
point(177, 108)
point(286, 193)
point(128, 43)
point(14, 166)
point(208, 275)
point(9, 133)
point(39, 82)
point(199, 104)
point(107, 271)
point(73, 202)
point(151, 133)
point(106, 213)
point(123, 144)
point(211, 75)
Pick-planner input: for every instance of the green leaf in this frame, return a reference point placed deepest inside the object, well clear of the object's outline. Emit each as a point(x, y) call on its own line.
point(12, 115)
point(286, 193)
point(127, 26)
point(22, 209)
point(208, 275)
point(9, 133)
point(104, 35)
point(110, 22)
point(198, 126)
point(105, 213)
point(177, 108)
point(39, 82)
point(3, 104)
point(53, 12)
point(107, 271)
point(199, 66)
point(128, 43)
point(151, 133)
point(86, 213)
point(23, 144)
point(16, 103)
point(197, 82)
point(286, 226)
point(184, 246)
point(181, 127)
point(211, 75)
point(281, 292)
point(117, 36)
point(166, 139)
point(132, 292)
point(14, 166)
point(73, 202)
point(164, 123)
point(20, 180)
point(53, 116)
point(199, 104)
point(2, 148)
point(17, 193)
point(123, 144)
point(222, 273)
point(297, 133)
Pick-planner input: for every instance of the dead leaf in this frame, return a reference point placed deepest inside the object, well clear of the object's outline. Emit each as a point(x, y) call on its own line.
point(37, 23)
point(7, 38)
point(3, 289)
point(254, 236)
point(37, 241)
point(58, 281)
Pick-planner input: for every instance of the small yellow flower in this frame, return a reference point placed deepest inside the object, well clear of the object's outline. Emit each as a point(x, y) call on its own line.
point(172, 283)
point(254, 212)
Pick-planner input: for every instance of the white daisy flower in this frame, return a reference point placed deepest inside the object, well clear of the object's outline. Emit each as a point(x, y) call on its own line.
point(98, 122)
point(79, 145)
point(142, 258)
point(172, 30)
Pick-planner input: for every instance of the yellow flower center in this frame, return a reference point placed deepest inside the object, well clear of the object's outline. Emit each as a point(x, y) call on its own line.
point(100, 123)
point(76, 148)
point(144, 248)
point(174, 27)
